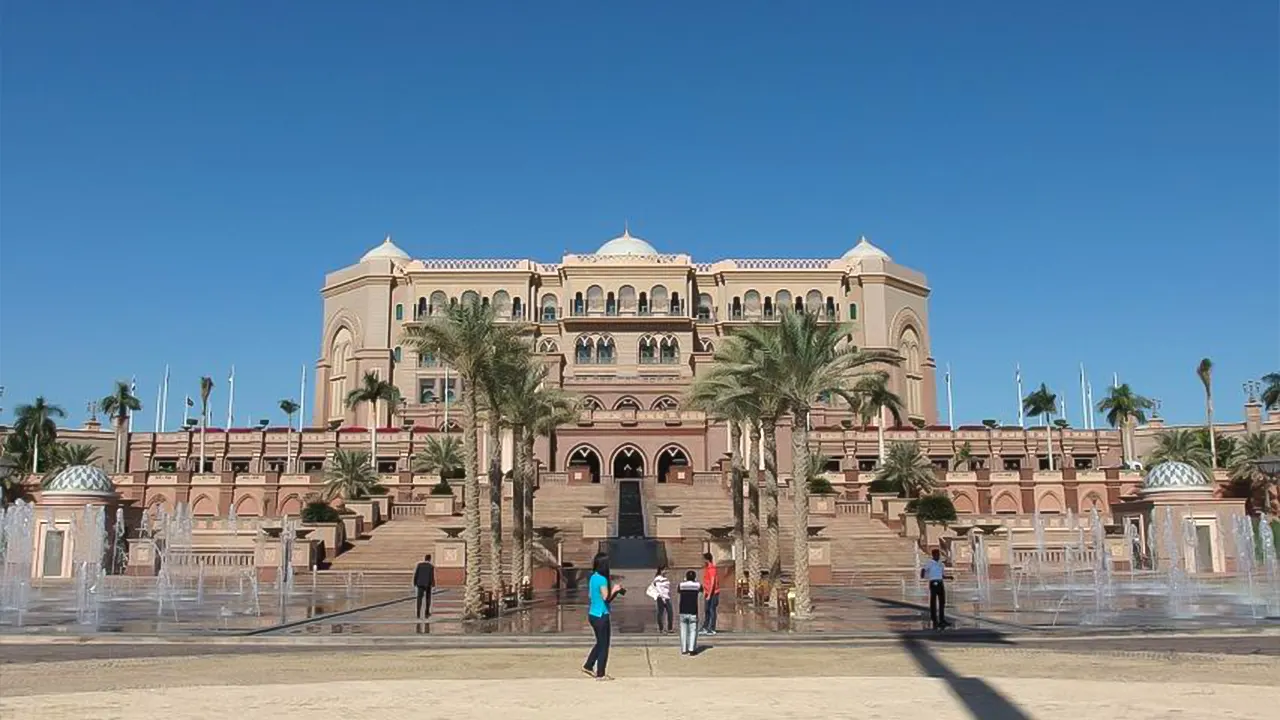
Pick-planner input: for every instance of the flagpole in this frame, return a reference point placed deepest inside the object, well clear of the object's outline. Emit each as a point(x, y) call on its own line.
point(159, 403)
point(1089, 392)
point(1084, 401)
point(231, 395)
point(302, 398)
point(1017, 372)
point(186, 411)
point(951, 418)
point(1115, 380)
point(164, 402)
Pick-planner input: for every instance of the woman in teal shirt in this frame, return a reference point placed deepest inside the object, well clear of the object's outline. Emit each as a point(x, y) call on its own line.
point(601, 593)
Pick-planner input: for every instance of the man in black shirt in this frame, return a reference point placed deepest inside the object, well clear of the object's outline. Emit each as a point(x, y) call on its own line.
point(424, 579)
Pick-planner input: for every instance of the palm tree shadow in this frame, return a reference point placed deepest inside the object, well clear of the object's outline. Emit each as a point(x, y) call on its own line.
point(981, 700)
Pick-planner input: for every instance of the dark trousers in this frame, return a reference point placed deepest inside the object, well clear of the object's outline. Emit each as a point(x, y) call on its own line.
point(424, 602)
point(711, 613)
point(937, 603)
point(664, 608)
point(599, 657)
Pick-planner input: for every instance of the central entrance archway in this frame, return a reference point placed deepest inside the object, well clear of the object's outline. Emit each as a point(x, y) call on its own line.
point(628, 463)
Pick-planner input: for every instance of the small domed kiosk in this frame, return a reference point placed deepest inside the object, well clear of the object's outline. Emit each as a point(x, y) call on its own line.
point(72, 508)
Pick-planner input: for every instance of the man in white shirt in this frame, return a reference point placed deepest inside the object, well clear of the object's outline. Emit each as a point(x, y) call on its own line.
point(935, 572)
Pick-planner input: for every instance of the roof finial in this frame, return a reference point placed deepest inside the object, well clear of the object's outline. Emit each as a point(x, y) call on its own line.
point(387, 240)
point(626, 228)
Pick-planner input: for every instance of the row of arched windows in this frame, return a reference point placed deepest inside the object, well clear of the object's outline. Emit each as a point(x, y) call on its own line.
point(752, 306)
point(504, 305)
point(666, 402)
point(600, 350)
point(627, 302)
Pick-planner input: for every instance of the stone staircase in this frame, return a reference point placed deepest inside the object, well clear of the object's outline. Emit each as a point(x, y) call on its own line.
point(394, 546)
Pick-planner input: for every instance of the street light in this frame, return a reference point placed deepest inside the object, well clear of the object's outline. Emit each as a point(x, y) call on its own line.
point(1251, 390)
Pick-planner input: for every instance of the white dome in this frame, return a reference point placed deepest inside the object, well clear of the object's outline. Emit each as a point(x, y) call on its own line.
point(624, 244)
point(1172, 475)
point(865, 249)
point(386, 251)
point(80, 480)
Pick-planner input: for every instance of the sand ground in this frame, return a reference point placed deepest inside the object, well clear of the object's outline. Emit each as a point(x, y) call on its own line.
point(895, 680)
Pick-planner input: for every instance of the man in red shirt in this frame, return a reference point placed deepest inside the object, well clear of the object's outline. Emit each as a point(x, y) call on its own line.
point(711, 590)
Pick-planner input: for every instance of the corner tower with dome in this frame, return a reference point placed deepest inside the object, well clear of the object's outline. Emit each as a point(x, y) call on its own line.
point(625, 327)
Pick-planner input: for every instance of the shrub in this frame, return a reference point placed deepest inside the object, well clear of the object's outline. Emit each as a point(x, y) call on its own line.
point(820, 486)
point(933, 508)
point(318, 511)
point(442, 488)
point(880, 485)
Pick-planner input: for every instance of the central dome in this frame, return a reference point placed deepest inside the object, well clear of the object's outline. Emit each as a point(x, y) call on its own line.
point(80, 480)
point(1173, 475)
point(624, 244)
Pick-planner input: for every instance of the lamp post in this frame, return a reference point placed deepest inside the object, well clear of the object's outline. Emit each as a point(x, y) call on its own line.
point(1269, 466)
point(1251, 390)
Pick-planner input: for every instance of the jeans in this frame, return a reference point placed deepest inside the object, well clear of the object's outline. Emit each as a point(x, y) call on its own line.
point(712, 612)
point(664, 609)
point(599, 657)
point(937, 603)
point(424, 602)
point(688, 633)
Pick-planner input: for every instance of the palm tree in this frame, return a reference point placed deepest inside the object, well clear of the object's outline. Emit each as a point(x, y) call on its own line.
point(1271, 391)
point(963, 458)
point(77, 454)
point(1183, 446)
point(907, 470)
point(289, 407)
point(118, 405)
point(373, 391)
point(509, 361)
point(206, 388)
point(534, 408)
point(1244, 469)
point(1124, 408)
point(350, 476)
point(1042, 403)
point(873, 399)
point(723, 398)
point(442, 454)
point(1205, 372)
point(800, 358)
point(464, 338)
point(35, 423)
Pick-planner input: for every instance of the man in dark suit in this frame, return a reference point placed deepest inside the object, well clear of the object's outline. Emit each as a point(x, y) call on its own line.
point(424, 579)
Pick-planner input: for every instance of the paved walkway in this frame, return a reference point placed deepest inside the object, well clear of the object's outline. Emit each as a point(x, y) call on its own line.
point(911, 678)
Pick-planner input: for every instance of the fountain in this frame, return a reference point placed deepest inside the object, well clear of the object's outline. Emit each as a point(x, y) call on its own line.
point(1102, 581)
point(981, 567)
point(1266, 536)
point(17, 529)
point(88, 540)
point(1037, 524)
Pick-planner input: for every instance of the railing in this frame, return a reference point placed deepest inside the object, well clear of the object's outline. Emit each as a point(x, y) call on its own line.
point(408, 509)
point(215, 561)
point(1055, 557)
point(853, 507)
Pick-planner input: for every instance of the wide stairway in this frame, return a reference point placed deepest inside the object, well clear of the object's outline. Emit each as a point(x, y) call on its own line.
point(389, 553)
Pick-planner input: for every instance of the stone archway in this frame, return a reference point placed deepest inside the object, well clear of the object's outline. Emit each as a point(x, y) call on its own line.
point(628, 463)
point(669, 457)
point(587, 457)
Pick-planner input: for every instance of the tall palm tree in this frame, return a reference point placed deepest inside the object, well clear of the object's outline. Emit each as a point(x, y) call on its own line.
point(77, 454)
point(963, 457)
point(36, 423)
point(464, 338)
point(508, 362)
point(1204, 371)
point(1244, 469)
point(907, 470)
point(723, 398)
point(349, 476)
point(801, 358)
point(289, 408)
point(872, 399)
point(1183, 446)
point(442, 454)
point(1042, 403)
point(1124, 408)
point(373, 391)
point(1271, 391)
point(118, 405)
point(206, 388)
point(534, 409)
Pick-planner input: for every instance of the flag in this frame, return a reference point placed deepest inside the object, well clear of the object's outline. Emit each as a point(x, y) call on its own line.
point(190, 402)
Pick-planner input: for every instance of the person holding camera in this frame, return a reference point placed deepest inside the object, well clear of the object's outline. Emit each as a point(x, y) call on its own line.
point(601, 592)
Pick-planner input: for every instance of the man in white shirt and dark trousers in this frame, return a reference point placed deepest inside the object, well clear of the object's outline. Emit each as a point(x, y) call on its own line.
point(935, 572)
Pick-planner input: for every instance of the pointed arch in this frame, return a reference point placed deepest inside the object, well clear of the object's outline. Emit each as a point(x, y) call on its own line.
point(628, 461)
point(584, 455)
point(247, 506)
point(548, 345)
point(963, 503)
point(665, 402)
point(706, 345)
point(591, 403)
point(1005, 504)
point(291, 505)
point(626, 402)
point(671, 455)
point(204, 506)
point(1049, 502)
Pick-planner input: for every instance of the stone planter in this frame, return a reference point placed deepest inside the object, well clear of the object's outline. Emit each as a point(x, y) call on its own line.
point(384, 507)
point(367, 509)
point(878, 501)
point(354, 525)
point(439, 505)
point(332, 536)
point(822, 504)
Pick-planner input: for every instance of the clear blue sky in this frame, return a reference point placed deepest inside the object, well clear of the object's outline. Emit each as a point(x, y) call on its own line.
point(1088, 181)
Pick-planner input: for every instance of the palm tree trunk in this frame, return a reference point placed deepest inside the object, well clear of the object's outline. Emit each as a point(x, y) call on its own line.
point(204, 420)
point(753, 508)
point(735, 490)
point(800, 492)
point(772, 554)
point(472, 607)
point(35, 451)
point(290, 464)
point(879, 433)
point(1048, 431)
point(373, 435)
point(495, 506)
point(518, 539)
point(1213, 441)
point(119, 422)
point(530, 479)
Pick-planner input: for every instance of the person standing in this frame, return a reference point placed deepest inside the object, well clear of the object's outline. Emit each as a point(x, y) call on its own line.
point(424, 581)
point(660, 591)
point(689, 591)
point(601, 593)
point(710, 587)
point(935, 572)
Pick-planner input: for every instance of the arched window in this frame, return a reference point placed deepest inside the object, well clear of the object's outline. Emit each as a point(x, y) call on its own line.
point(420, 310)
point(735, 308)
point(751, 304)
point(502, 304)
point(648, 350)
point(517, 308)
point(669, 351)
point(799, 305)
point(813, 301)
point(705, 303)
point(579, 307)
point(471, 297)
point(675, 303)
point(768, 307)
point(643, 305)
point(426, 359)
point(853, 311)
point(782, 300)
point(595, 299)
point(666, 402)
point(706, 345)
point(591, 404)
point(339, 354)
point(627, 299)
point(909, 349)
point(439, 303)
point(547, 345)
point(627, 403)
point(396, 354)
point(604, 351)
point(548, 308)
point(399, 311)
point(610, 304)
point(583, 351)
point(831, 308)
point(658, 298)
